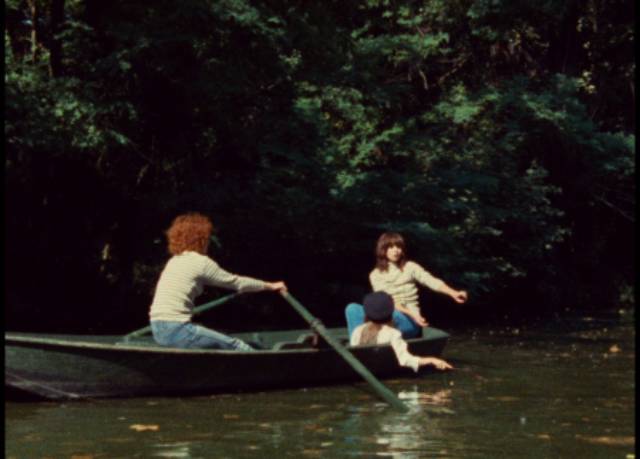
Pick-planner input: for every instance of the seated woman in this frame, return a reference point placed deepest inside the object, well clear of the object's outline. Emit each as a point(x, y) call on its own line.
point(378, 329)
point(395, 274)
point(183, 279)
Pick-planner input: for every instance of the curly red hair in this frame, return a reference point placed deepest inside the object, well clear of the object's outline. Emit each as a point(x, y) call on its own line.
point(189, 231)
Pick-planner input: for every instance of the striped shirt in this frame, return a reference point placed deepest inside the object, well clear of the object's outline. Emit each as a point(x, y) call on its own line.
point(401, 283)
point(184, 278)
point(392, 336)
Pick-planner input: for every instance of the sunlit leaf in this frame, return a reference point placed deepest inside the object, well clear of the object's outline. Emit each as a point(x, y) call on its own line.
point(610, 441)
point(144, 427)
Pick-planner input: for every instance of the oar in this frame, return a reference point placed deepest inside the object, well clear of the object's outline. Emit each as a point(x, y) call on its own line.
point(317, 326)
point(196, 311)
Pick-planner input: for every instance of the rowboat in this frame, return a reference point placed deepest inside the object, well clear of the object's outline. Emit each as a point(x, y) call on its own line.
point(90, 366)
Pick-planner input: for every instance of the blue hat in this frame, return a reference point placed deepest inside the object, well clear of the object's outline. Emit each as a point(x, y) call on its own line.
point(378, 306)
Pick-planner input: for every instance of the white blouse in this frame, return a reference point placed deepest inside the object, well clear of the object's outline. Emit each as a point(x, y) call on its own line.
point(401, 283)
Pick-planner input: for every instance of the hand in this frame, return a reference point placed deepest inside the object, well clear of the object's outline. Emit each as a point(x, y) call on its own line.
point(459, 296)
point(276, 286)
point(436, 362)
point(421, 321)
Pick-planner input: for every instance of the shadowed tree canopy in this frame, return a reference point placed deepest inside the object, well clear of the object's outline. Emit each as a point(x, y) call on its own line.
point(495, 135)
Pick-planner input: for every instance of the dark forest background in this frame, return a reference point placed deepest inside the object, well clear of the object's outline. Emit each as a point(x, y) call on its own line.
point(496, 135)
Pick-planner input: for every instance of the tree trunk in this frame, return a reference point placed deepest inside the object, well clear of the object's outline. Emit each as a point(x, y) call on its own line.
point(566, 50)
point(18, 36)
point(55, 51)
point(35, 32)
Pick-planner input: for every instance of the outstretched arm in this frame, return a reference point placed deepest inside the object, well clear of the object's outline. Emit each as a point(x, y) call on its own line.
point(214, 275)
point(428, 280)
point(436, 362)
point(459, 296)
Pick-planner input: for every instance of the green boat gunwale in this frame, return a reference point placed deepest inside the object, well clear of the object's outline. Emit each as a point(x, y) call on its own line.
point(144, 347)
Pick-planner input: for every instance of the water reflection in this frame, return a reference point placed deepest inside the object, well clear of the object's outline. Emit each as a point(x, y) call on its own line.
point(180, 450)
point(432, 402)
point(527, 395)
point(415, 434)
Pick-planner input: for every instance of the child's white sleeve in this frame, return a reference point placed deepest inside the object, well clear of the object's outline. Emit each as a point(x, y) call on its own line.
point(405, 358)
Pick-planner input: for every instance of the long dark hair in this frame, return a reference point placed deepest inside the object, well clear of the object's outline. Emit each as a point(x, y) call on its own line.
point(385, 241)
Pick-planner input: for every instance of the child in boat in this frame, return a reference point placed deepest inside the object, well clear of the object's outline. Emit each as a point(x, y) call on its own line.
point(398, 276)
point(378, 329)
point(183, 279)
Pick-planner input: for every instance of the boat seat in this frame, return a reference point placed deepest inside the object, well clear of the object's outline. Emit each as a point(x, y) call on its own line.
point(304, 341)
point(307, 341)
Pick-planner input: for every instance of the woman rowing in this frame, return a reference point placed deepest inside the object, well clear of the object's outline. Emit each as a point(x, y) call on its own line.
point(184, 276)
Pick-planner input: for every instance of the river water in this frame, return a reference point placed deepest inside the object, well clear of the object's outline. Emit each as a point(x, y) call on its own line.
point(564, 389)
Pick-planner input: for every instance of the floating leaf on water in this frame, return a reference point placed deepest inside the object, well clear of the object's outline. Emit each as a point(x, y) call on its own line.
point(607, 440)
point(265, 425)
point(544, 436)
point(614, 349)
point(144, 427)
point(231, 416)
point(324, 444)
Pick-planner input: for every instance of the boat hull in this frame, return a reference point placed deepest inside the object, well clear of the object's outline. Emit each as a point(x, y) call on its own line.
point(68, 367)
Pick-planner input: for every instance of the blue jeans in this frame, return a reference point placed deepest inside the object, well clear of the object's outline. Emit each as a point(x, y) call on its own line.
point(187, 335)
point(355, 316)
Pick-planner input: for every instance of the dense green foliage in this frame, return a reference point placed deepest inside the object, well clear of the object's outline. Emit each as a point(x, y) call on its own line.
point(496, 135)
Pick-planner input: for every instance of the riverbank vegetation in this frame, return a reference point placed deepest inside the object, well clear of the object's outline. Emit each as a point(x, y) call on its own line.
point(496, 136)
